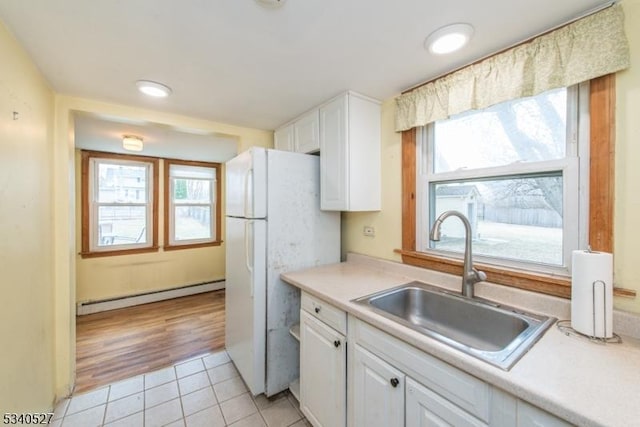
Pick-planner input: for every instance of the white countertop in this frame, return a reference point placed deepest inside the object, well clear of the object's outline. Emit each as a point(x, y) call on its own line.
point(585, 383)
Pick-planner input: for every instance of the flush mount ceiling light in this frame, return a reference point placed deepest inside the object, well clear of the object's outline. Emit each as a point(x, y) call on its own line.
point(448, 39)
point(132, 143)
point(154, 89)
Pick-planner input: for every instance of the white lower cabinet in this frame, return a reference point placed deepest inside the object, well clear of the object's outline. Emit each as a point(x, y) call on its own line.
point(391, 383)
point(530, 416)
point(323, 370)
point(378, 390)
point(428, 392)
point(424, 408)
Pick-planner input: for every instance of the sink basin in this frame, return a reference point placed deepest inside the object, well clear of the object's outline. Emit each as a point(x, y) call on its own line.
point(495, 333)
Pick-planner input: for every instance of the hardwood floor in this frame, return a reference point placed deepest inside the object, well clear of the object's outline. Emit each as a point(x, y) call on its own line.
point(119, 344)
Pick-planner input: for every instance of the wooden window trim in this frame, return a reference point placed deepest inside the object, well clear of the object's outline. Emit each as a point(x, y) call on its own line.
point(601, 203)
point(84, 200)
point(602, 162)
point(167, 204)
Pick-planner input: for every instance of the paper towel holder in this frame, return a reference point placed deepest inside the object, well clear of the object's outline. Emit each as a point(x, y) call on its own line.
point(565, 325)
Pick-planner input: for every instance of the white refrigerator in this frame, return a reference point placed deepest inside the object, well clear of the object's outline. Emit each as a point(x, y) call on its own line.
point(273, 225)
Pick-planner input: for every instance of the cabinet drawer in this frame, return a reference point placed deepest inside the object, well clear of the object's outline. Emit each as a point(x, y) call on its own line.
point(467, 392)
point(325, 312)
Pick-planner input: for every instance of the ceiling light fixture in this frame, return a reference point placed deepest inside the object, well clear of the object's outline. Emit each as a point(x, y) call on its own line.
point(154, 89)
point(448, 39)
point(132, 143)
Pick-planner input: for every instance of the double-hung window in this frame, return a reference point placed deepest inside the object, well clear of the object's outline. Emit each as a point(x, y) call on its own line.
point(192, 204)
point(518, 171)
point(119, 197)
point(533, 174)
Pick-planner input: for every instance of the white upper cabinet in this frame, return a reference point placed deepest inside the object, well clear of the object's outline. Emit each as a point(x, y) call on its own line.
point(346, 131)
point(283, 138)
point(301, 135)
point(307, 133)
point(350, 166)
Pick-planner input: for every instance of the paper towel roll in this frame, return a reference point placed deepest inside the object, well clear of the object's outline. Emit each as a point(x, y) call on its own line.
point(589, 270)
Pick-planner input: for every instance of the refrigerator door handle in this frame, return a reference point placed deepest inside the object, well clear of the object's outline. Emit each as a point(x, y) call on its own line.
point(248, 196)
point(247, 246)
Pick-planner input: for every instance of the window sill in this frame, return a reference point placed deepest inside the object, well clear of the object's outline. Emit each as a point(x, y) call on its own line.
point(118, 252)
point(192, 245)
point(544, 283)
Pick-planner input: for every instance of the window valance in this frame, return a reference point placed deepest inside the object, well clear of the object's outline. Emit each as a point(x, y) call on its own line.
point(585, 49)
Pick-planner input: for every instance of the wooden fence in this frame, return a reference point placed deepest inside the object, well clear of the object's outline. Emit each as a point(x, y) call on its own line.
point(531, 216)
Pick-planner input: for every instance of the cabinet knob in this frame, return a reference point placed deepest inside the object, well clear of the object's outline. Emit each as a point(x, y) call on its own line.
point(394, 382)
point(317, 309)
point(336, 343)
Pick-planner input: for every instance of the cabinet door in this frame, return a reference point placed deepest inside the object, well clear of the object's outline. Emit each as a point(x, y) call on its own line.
point(334, 186)
point(323, 364)
point(283, 138)
point(530, 416)
point(424, 408)
point(307, 133)
point(378, 390)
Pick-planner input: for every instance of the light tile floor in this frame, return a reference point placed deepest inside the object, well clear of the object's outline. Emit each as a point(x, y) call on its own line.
point(202, 392)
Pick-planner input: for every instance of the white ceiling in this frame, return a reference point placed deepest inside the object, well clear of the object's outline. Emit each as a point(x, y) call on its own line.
point(101, 133)
point(237, 62)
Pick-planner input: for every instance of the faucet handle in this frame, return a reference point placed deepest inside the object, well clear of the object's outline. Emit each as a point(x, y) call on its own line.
point(481, 276)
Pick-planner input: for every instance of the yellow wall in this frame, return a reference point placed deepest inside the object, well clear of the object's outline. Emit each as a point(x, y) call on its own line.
point(37, 215)
point(26, 243)
point(627, 206)
point(627, 179)
point(116, 276)
point(387, 222)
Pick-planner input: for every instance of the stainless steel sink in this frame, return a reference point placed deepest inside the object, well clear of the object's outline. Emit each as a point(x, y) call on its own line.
point(495, 333)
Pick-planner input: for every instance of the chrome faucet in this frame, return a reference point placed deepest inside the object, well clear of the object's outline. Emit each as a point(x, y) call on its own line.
point(470, 276)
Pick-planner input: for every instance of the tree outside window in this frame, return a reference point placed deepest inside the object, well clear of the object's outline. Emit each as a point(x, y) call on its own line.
point(192, 206)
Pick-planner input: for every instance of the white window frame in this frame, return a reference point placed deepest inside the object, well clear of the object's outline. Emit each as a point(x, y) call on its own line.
point(574, 167)
point(94, 204)
point(211, 205)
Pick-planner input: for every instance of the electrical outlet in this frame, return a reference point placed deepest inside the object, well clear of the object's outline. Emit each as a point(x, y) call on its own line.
point(369, 231)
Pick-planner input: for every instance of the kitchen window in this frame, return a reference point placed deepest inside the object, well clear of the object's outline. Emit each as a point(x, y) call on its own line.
point(593, 223)
point(192, 204)
point(119, 204)
point(517, 171)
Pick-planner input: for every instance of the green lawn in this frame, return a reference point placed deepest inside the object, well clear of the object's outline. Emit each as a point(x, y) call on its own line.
point(518, 242)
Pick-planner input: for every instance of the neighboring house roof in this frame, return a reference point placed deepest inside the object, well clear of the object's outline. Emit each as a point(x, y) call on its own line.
point(457, 190)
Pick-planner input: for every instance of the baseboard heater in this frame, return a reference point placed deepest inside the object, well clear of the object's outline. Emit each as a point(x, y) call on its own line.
point(89, 307)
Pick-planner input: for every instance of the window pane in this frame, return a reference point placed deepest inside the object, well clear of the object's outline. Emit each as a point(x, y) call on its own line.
point(524, 130)
point(122, 183)
point(191, 191)
point(516, 218)
point(122, 225)
point(192, 222)
point(187, 171)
